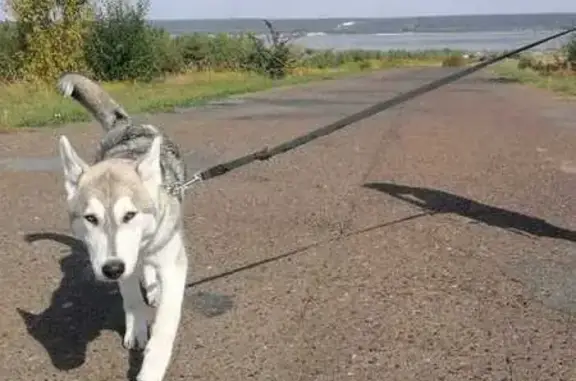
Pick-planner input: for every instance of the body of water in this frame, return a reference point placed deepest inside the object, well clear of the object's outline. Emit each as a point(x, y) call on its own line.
point(471, 33)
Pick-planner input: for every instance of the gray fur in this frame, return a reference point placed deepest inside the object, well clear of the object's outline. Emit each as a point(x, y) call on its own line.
point(123, 139)
point(90, 95)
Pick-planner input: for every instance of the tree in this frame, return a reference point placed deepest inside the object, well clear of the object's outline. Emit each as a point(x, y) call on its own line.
point(50, 36)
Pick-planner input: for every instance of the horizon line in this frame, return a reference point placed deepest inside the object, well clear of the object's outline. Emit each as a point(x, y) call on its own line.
point(366, 17)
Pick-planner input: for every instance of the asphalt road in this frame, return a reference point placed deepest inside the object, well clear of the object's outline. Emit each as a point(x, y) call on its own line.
point(434, 241)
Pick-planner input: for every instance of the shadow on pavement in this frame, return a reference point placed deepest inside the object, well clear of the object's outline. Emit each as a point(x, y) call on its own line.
point(504, 80)
point(79, 310)
point(438, 201)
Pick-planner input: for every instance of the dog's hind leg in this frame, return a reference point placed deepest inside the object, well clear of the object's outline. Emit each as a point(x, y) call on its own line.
point(136, 313)
point(171, 266)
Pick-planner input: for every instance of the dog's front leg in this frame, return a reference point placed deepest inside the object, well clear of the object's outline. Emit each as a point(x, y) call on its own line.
point(136, 313)
point(171, 272)
point(151, 285)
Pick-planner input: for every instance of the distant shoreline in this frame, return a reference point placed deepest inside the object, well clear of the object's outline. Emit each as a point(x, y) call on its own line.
point(372, 26)
point(368, 18)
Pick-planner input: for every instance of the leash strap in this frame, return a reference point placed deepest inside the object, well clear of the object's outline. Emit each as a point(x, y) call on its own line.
point(266, 153)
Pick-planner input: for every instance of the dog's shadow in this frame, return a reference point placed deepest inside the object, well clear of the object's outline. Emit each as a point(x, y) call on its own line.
point(80, 309)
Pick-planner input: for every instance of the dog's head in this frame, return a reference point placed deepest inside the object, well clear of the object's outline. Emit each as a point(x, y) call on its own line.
point(112, 207)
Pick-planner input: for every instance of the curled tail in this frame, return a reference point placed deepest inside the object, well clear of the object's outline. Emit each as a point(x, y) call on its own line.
point(93, 97)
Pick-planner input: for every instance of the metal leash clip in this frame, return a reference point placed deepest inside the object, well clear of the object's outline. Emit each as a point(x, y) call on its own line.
point(178, 189)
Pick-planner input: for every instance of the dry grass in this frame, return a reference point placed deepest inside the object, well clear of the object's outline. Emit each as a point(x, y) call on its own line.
point(561, 82)
point(25, 105)
point(454, 61)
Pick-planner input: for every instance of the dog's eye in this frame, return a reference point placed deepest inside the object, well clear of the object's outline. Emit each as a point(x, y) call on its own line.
point(92, 219)
point(128, 217)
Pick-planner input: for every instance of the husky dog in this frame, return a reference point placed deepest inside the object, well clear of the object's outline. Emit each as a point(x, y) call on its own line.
point(130, 223)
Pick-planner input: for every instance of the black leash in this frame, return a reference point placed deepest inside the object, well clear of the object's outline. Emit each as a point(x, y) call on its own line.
point(266, 153)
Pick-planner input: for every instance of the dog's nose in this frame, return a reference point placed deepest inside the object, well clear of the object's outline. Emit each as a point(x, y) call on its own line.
point(113, 269)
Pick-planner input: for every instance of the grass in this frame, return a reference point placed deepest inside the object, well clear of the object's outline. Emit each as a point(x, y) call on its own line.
point(34, 106)
point(454, 61)
point(558, 83)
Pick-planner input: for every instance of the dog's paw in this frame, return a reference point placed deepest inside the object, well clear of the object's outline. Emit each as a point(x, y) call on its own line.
point(150, 286)
point(136, 335)
point(153, 295)
point(151, 373)
point(156, 360)
point(148, 377)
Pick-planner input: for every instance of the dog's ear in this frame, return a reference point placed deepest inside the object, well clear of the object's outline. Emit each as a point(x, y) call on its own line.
point(149, 165)
point(73, 166)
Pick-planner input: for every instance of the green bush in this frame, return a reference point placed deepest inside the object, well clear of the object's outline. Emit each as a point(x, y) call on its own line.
point(122, 45)
point(454, 61)
point(273, 60)
point(364, 65)
point(169, 55)
point(570, 50)
point(8, 51)
point(525, 62)
point(547, 64)
point(243, 52)
point(194, 50)
point(228, 52)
